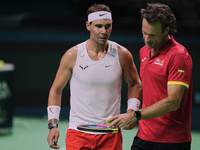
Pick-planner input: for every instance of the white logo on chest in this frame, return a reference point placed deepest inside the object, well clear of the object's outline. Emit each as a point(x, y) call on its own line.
point(159, 62)
point(144, 59)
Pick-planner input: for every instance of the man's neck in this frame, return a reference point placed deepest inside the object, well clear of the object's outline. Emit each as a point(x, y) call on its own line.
point(95, 47)
point(96, 52)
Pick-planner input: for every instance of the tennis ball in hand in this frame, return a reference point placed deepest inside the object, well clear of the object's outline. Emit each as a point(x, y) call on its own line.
point(108, 123)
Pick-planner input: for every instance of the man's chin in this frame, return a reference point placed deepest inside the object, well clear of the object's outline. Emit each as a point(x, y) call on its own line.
point(102, 41)
point(148, 46)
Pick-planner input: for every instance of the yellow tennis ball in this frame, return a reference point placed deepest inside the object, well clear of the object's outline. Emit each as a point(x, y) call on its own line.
point(108, 123)
point(1, 64)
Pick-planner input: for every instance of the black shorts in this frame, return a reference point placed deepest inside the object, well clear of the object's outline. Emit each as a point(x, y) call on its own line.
point(139, 144)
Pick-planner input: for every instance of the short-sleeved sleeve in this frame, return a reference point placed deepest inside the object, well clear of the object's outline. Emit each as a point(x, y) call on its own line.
point(179, 69)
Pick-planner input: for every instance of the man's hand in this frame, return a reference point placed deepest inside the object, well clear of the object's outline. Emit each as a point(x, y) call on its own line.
point(52, 138)
point(131, 126)
point(125, 120)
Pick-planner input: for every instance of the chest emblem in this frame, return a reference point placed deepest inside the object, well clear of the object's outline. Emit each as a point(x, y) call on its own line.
point(83, 68)
point(144, 59)
point(159, 62)
point(106, 66)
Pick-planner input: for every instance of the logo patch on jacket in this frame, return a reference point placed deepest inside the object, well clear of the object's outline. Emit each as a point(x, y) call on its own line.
point(159, 62)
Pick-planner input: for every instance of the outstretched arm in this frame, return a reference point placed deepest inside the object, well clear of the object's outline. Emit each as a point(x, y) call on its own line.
point(168, 104)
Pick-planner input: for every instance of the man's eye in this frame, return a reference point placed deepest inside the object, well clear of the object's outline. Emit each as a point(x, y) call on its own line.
point(152, 35)
point(99, 26)
point(108, 26)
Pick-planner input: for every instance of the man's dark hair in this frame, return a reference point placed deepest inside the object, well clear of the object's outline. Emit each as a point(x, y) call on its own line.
point(158, 12)
point(98, 7)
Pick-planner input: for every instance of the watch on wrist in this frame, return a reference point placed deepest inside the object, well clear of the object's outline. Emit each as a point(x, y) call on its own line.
point(52, 125)
point(138, 115)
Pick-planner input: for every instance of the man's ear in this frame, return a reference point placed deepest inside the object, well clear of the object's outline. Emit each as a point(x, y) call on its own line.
point(87, 25)
point(166, 30)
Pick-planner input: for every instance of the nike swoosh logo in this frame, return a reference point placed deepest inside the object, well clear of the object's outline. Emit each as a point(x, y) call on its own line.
point(107, 66)
point(50, 110)
point(102, 14)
